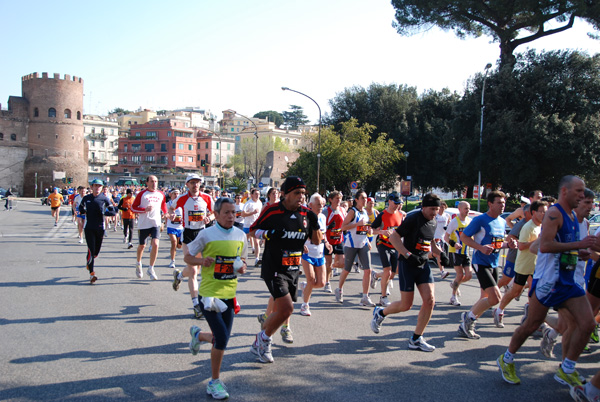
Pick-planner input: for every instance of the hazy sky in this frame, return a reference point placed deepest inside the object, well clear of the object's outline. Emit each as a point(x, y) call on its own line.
point(226, 54)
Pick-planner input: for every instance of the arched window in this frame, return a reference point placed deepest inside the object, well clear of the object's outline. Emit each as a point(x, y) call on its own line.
point(51, 112)
point(36, 112)
point(78, 115)
point(1, 137)
point(13, 137)
point(67, 113)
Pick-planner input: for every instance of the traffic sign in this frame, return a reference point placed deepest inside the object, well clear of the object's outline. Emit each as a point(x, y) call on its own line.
point(354, 185)
point(260, 185)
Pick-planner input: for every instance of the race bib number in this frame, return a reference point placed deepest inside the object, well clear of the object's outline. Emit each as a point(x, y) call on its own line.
point(176, 219)
point(238, 214)
point(362, 230)
point(568, 261)
point(423, 245)
point(497, 243)
point(335, 234)
point(196, 216)
point(291, 260)
point(224, 268)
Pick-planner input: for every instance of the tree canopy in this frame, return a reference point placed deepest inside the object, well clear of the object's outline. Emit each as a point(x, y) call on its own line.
point(294, 117)
point(511, 23)
point(272, 115)
point(349, 155)
point(244, 161)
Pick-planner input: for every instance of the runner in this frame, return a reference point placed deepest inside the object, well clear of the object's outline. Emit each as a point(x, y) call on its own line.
point(148, 204)
point(223, 254)
point(79, 218)
point(508, 272)
point(525, 262)
point(488, 230)
point(334, 261)
point(251, 211)
point(414, 241)
point(128, 217)
point(285, 226)
point(239, 207)
point(458, 251)
point(56, 200)
point(196, 215)
point(174, 226)
point(356, 243)
point(554, 284)
point(93, 206)
point(313, 260)
point(388, 221)
point(443, 219)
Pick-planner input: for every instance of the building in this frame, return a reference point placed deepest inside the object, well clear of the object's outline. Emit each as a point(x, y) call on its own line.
point(217, 151)
point(102, 135)
point(41, 135)
point(277, 166)
point(158, 146)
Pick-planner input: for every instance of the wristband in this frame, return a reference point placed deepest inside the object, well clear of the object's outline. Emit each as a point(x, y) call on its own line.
point(408, 254)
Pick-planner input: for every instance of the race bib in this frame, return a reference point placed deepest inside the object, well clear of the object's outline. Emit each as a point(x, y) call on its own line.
point(224, 268)
point(423, 245)
point(568, 261)
point(362, 230)
point(335, 234)
point(497, 243)
point(238, 214)
point(291, 260)
point(196, 216)
point(176, 219)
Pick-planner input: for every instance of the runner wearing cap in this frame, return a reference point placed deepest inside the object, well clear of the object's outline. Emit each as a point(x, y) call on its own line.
point(148, 204)
point(384, 225)
point(335, 215)
point(93, 206)
point(197, 213)
point(56, 199)
point(285, 227)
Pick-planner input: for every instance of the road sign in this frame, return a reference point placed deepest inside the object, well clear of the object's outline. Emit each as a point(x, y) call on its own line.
point(405, 188)
point(260, 185)
point(354, 185)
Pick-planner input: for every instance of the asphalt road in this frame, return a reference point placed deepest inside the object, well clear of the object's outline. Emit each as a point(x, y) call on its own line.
point(127, 339)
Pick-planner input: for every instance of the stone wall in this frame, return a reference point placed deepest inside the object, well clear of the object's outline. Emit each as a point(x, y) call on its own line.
point(11, 167)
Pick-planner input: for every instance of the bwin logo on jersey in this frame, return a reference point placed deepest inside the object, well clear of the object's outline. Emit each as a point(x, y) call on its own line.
point(294, 235)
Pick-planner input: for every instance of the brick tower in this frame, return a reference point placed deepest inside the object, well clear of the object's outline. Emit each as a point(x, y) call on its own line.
point(55, 141)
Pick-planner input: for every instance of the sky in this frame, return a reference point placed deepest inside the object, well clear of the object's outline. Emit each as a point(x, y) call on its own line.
point(236, 54)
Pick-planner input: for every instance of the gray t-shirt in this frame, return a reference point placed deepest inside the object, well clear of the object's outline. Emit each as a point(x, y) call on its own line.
point(511, 255)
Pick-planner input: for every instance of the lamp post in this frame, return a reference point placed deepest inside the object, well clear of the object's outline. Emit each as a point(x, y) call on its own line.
point(487, 67)
point(406, 155)
point(319, 131)
point(255, 142)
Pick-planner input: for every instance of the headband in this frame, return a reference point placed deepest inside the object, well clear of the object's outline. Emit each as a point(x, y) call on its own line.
point(431, 202)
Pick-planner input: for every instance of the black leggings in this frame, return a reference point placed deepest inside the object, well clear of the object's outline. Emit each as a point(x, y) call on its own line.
point(220, 324)
point(128, 228)
point(93, 238)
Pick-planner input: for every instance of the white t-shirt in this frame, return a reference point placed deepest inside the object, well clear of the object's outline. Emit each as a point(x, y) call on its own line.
point(316, 250)
point(442, 222)
point(255, 206)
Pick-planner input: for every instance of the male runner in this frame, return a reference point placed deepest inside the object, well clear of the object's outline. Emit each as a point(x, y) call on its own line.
point(223, 254)
point(128, 217)
point(56, 200)
point(252, 209)
point(334, 260)
point(414, 240)
point(458, 251)
point(485, 234)
point(384, 225)
point(196, 215)
point(148, 204)
point(554, 283)
point(93, 206)
point(174, 226)
point(443, 219)
point(284, 226)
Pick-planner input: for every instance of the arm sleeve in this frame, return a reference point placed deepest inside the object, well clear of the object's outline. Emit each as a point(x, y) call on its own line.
point(135, 207)
point(377, 222)
point(163, 205)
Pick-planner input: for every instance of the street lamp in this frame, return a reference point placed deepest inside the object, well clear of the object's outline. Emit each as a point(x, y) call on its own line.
point(255, 141)
point(487, 67)
point(406, 155)
point(319, 135)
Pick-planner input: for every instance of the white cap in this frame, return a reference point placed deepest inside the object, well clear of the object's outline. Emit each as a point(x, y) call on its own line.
point(193, 176)
point(525, 200)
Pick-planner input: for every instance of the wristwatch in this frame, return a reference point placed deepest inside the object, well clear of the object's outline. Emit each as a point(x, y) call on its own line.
point(408, 254)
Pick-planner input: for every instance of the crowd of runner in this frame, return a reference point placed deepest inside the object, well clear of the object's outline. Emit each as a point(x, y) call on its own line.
point(307, 241)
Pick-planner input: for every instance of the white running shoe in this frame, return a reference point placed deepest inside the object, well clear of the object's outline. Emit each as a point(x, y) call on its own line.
point(454, 301)
point(305, 310)
point(384, 301)
point(420, 344)
point(335, 272)
point(172, 264)
point(327, 288)
point(339, 295)
point(377, 320)
point(498, 318)
point(138, 270)
point(444, 275)
point(80, 241)
point(366, 301)
point(374, 279)
point(152, 274)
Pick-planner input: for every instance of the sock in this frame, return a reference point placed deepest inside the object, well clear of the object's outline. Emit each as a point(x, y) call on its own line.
point(553, 334)
point(472, 316)
point(264, 336)
point(285, 326)
point(500, 311)
point(568, 366)
point(151, 268)
point(380, 312)
point(415, 337)
point(195, 301)
point(508, 357)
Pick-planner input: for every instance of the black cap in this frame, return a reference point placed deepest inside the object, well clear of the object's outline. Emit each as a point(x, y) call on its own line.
point(129, 191)
point(291, 183)
point(395, 198)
